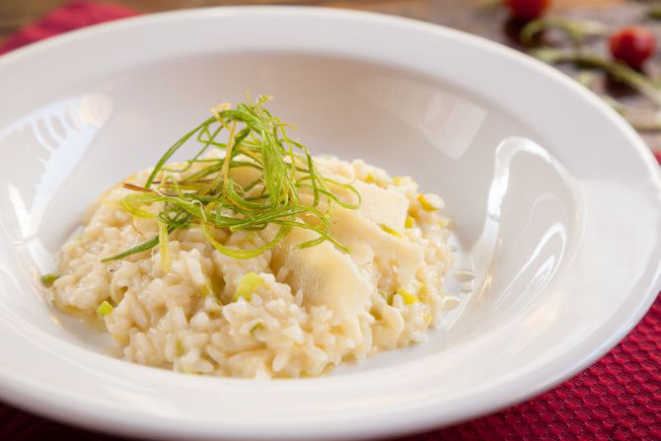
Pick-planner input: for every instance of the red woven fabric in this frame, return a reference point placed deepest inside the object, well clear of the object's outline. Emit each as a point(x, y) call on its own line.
point(74, 15)
point(618, 398)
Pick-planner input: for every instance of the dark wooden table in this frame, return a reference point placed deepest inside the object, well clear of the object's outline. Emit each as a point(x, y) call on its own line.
point(466, 15)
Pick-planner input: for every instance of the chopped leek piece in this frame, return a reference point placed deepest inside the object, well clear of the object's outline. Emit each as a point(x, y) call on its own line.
point(422, 292)
point(410, 222)
point(389, 230)
point(407, 296)
point(426, 205)
point(444, 222)
point(206, 289)
point(256, 328)
point(48, 279)
point(247, 286)
point(215, 307)
point(387, 297)
point(179, 348)
point(104, 309)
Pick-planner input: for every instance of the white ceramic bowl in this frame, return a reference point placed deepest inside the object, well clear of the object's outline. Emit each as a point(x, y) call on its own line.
point(563, 232)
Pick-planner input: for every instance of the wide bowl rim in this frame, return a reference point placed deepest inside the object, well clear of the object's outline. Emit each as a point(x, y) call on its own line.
point(77, 410)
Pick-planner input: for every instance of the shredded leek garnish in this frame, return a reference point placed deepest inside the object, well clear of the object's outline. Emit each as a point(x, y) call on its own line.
point(104, 309)
point(203, 193)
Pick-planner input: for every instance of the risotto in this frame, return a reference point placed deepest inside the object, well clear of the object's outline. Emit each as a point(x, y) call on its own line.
point(199, 267)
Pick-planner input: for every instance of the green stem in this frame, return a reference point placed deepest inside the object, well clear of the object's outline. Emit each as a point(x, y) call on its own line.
point(618, 71)
point(577, 30)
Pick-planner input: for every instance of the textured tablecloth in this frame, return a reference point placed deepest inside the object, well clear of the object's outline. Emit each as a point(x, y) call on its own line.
point(618, 398)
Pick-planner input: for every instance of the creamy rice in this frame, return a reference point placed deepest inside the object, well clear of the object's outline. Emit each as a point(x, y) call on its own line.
point(309, 309)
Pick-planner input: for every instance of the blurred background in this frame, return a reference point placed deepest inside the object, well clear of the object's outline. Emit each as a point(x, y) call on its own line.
point(455, 13)
point(616, 39)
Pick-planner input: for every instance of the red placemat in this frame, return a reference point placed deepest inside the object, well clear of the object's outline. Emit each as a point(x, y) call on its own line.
point(73, 15)
point(618, 398)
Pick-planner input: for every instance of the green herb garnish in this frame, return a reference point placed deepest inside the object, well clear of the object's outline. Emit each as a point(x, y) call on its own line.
point(288, 191)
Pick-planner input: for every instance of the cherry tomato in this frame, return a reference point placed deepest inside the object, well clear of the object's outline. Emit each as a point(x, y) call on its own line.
point(526, 10)
point(632, 45)
point(657, 155)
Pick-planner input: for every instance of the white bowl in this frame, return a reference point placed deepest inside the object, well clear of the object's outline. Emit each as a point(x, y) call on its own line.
point(563, 232)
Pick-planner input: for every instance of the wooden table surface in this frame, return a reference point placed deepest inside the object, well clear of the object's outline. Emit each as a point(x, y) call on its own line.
point(466, 15)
